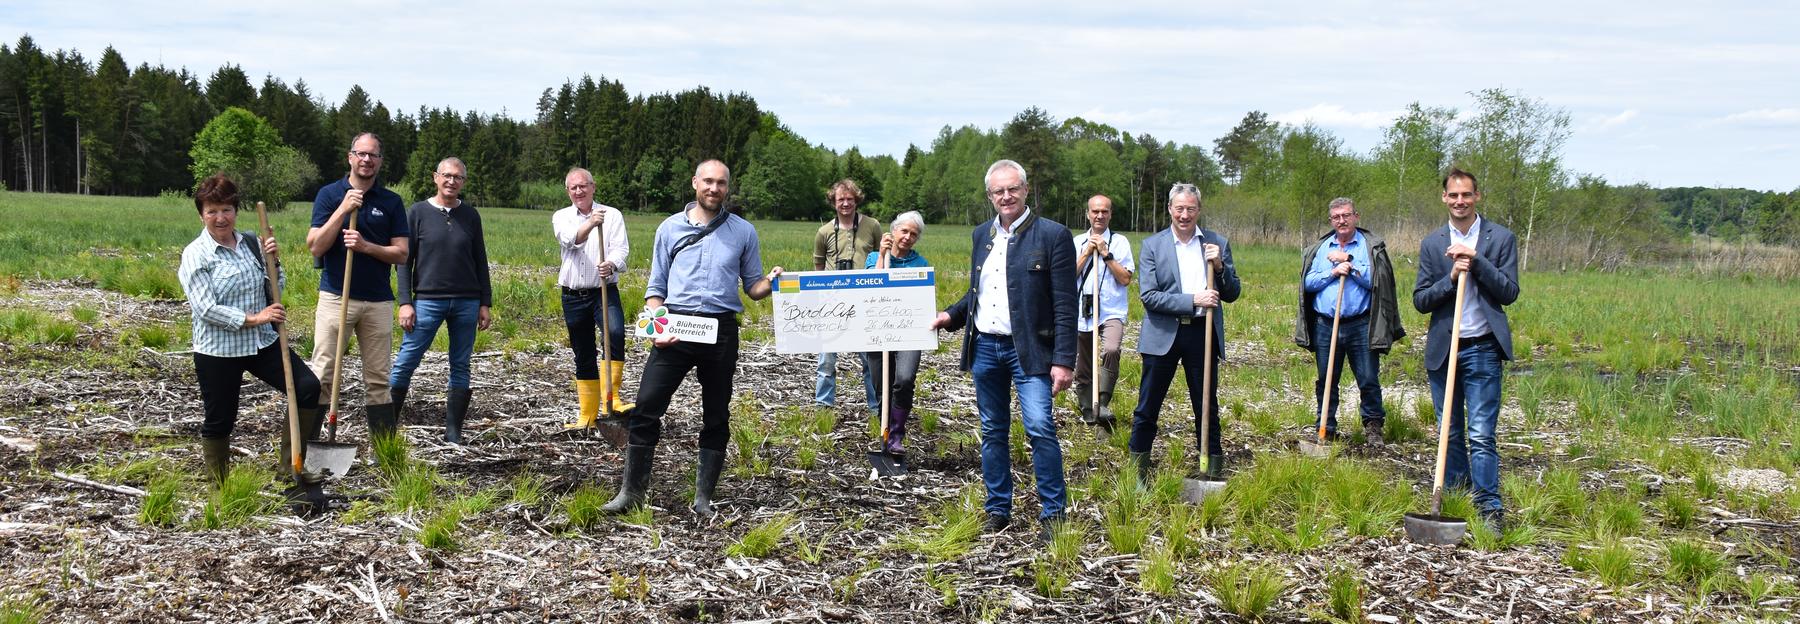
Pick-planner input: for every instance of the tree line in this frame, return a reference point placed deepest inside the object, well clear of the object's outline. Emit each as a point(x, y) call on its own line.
point(71, 126)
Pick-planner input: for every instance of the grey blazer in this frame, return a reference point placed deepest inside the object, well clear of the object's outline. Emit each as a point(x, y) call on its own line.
point(1159, 287)
point(1493, 276)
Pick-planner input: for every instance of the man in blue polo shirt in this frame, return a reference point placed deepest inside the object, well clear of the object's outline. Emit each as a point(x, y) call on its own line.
point(380, 241)
point(702, 257)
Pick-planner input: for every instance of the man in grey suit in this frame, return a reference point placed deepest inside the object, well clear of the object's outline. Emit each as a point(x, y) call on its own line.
point(1488, 253)
point(1021, 311)
point(1184, 271)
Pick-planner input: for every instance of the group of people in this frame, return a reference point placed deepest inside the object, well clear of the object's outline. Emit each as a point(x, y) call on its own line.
point(1037, 303)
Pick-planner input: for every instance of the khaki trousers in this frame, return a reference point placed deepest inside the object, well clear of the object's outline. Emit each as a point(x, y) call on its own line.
point(372, 324)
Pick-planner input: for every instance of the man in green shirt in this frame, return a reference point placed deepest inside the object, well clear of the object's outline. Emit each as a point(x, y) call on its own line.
point(841, 245)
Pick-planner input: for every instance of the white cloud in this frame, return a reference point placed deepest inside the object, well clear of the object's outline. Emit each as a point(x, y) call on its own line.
point(1763, 117)
point(1333, 115)
point(1609, 122)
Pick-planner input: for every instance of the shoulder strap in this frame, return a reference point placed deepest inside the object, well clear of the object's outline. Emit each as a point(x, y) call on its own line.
point(246, 238)
point(695, 238)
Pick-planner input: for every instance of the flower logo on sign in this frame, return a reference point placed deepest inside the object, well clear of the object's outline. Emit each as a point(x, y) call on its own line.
point(654, 323)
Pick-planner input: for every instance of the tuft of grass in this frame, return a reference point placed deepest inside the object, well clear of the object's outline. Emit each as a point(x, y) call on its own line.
point(1246, 589)
point(84, 315)
point(439, 533)
point(1612, 562)
point(583, 506)
point(1679, 508)
point(945, 584)
point(415, 488)
point(759, 542)
point(1158, 576)
point(1178, 531)
point(239, 498)
point(1344, 593)
point(1049, 579)
point(928, 420)
point(528, 489)
point(155, 337)
point(957, 525)
point(160, 506)
point(1690, 562)
point(641, 516)
point(27, 610)
point(391, 454)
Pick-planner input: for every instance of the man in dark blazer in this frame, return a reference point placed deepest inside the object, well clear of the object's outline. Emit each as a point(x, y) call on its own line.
point(1184, 272)
point(1021, 311)
point(1488, 253)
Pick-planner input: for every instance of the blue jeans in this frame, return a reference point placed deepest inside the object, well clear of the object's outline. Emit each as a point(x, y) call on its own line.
point(581, 315)
point(996, 370)
point(1474, 459)
point(461, 315)
point(1353, 348)
point(825, 389)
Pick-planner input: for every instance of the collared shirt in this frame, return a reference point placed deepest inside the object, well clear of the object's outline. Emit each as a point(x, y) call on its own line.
point(1324, 285)
point(1196, 276)
point(705, 276)
point(834, 242)
point(994, 316)
point(1475, 306)
point(380, 220)
point(580, 263)
point(1114, 301)
point(224, 285)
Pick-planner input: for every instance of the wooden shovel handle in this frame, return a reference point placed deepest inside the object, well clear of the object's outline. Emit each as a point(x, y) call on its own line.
point(1437, 483)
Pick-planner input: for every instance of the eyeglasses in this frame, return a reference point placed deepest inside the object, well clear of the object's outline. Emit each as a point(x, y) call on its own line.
point(453, 177)
point(1343, 217)
point(1010, 190)
point(361, 155)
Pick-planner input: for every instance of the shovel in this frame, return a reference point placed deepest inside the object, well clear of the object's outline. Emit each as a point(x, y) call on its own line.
point(329, 458)
point(1321, 448)
point(307, 488)
point(1104, 431)
point(610, 426)
point(886, 464)
point(1196, 488)
point(1436, 528)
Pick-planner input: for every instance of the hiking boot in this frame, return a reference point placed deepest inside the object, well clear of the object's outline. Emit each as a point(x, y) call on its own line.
point(995, 523)
point(1372, 433)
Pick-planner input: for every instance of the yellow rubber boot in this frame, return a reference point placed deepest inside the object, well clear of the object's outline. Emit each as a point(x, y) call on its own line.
point(587, 392)
point(618, 377)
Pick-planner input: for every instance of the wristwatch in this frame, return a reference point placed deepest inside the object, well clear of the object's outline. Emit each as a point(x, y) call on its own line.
point(1108, 257)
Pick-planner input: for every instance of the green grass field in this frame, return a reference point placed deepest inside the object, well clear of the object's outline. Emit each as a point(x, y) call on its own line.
point(1637, 399)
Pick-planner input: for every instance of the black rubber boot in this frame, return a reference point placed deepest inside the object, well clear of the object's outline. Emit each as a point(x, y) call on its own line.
point(383, 421)
point(1104, 412)
point(635, 482)
point(398, 400)
point(711, 462)
point(1215, 466)
point(311, 421)
point(1144, 467)
point(455, 408)
point(1084, 404)
point(216, 454)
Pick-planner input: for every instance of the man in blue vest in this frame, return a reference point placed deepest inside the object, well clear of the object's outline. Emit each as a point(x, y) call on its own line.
point(1021, 309)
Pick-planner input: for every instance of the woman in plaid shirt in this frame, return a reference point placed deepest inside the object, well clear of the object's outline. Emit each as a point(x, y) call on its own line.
point(234, 332)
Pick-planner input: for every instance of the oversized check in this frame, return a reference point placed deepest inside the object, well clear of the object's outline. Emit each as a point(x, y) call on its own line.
point(845, 311)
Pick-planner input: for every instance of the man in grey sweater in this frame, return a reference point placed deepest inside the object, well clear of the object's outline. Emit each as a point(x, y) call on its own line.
point(443, 281)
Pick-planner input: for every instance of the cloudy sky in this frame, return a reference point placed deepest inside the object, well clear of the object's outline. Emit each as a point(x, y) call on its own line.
point(1672, 94)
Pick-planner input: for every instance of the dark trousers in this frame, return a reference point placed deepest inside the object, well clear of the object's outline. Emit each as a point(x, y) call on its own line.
point(1352, 348)
point(1159, 371)
point(221, 378)
point(581, 314)
point(713, 364)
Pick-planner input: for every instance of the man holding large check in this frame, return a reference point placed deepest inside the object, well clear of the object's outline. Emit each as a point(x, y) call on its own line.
point(870, 311)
